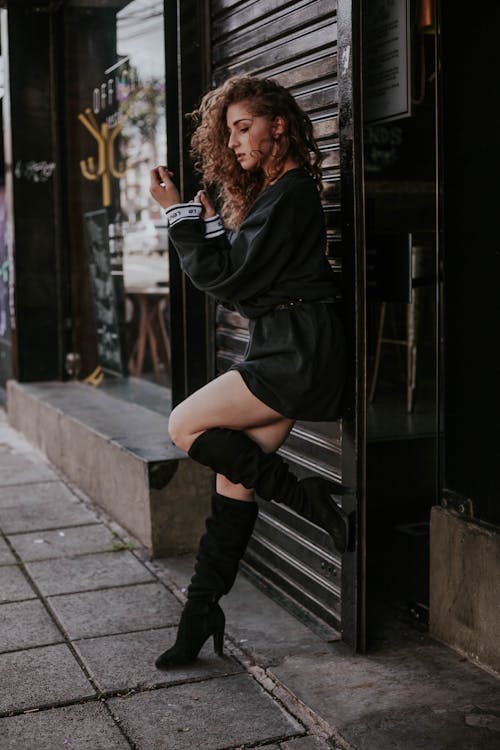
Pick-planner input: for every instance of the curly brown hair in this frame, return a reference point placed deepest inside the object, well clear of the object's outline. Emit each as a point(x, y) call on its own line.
point(237, 188)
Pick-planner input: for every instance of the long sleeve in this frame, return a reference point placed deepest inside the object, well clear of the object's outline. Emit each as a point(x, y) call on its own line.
point(229, 271)
point(278, 254)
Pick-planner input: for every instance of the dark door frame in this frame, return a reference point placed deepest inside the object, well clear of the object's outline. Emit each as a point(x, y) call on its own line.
point(187, 79)
point(353, 268)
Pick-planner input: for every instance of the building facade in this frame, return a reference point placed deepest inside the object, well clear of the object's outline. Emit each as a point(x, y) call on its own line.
point(98, 97)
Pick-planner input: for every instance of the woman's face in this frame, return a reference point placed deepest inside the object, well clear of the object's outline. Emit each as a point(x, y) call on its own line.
point(251, 137)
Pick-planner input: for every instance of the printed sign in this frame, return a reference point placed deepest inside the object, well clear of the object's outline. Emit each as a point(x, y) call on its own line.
point(386, 60)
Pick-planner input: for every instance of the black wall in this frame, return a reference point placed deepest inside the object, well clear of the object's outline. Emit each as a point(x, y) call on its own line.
point(35, 167)
point(470, 220)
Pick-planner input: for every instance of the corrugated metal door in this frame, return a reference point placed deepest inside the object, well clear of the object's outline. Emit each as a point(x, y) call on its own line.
point(295, 43)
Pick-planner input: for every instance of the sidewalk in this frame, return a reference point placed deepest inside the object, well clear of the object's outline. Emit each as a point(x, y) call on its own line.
point(84, 613)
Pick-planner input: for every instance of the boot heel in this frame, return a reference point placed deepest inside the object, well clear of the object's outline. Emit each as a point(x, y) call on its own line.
point(219, 641)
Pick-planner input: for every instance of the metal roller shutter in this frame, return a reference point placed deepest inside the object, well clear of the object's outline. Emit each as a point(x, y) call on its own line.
point(295, 43)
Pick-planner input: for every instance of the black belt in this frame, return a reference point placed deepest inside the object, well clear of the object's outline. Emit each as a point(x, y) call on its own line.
point(290, 304)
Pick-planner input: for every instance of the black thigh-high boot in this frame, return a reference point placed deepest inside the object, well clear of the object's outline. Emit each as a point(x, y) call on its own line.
point(242, 461)
point(228, 530)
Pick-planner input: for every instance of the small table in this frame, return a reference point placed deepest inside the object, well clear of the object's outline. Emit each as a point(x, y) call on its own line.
point(152, 330)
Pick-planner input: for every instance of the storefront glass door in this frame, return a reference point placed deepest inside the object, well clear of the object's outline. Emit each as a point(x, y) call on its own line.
point(116, 134)
point(402, 294)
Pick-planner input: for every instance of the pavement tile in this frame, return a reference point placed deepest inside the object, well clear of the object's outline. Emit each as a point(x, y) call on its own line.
point(207, 715)
point(62, 542)
point(305, 743)
point(421, 728)
point(248, 614)
point(49, 505)
point(6, 556)
point(39, 493)
point(18, 469)
point(372, 698)
point(13, 585)
point(116, 610)
point(80, 727)
point(87, 572)
point(124, 661)
point(26, 624)
point(41, 677)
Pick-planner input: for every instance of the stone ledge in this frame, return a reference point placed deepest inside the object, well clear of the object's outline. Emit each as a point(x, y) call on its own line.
point(120, 455)
point(465, 587)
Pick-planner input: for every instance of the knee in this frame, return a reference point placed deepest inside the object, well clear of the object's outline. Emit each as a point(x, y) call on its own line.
point(179, 430)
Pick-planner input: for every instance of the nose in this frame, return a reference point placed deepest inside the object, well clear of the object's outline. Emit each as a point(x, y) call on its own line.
point(233, 140)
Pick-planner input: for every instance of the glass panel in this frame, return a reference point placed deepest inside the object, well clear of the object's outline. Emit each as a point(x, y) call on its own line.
point(141, 99)
point(402, 310)
point(116, 109)
point(141, 109)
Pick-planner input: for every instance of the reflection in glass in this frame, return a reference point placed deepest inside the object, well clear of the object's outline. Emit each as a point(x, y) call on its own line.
point(140, 92)
point(141, 99)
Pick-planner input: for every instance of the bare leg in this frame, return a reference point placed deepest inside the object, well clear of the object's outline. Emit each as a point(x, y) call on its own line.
point(269, 438)
point(227, 402)
point(224, 402)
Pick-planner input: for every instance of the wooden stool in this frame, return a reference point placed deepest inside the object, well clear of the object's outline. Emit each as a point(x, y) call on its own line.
point(152, 330)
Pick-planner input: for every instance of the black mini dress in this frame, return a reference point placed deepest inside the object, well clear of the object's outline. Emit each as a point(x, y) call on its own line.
point(274, 271)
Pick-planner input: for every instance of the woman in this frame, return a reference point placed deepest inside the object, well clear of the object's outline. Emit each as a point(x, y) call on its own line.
point(256, 145)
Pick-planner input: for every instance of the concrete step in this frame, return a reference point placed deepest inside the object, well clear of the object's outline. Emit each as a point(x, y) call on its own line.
point(112, 443)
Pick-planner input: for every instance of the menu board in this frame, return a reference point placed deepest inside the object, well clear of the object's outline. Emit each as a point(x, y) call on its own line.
point(386, 60)
point(107, 324)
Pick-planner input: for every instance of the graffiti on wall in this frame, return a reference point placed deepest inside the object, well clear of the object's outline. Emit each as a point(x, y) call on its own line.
point(34, 171)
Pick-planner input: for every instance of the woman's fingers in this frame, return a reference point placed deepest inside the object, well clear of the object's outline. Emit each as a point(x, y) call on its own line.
point(208, 209)
point(162, 188)
point(155, 177)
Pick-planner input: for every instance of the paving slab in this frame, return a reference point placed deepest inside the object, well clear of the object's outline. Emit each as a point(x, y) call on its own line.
point(424, 728)
point(21, 506)
point(39, 493)
point(26, 624)
point(370, 699)
point(81, 727)
point(206, 715)
point(249, 613)
point(16, 469)
point(116, 610)
point(127, 660)
point(65, 542)
point(66, 575)
point(6, 556)
point(41, 677)
point(13, 585)
point(305, 743)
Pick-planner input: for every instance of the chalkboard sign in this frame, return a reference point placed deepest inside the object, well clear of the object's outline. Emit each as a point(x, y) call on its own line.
point(109, 348)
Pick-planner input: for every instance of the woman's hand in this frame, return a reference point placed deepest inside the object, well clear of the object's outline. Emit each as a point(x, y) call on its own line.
point(207, 210)
point(162, 188)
